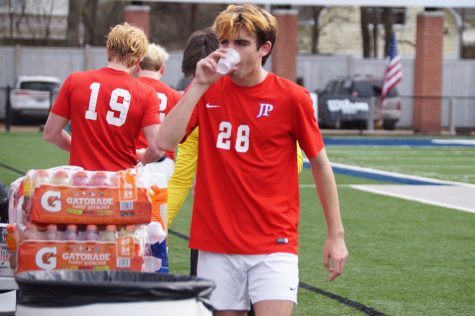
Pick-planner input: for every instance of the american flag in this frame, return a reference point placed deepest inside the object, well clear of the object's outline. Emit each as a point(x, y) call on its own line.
point(393, 74)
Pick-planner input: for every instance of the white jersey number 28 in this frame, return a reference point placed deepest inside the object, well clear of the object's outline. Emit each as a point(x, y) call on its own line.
point(121, 108)
point(241, 144)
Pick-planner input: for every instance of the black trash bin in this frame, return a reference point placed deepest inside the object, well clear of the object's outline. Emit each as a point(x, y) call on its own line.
point(79, 293)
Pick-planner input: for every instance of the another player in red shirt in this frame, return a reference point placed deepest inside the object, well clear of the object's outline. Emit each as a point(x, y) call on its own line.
point(246, 207)
point(149, 71)
point(107, 108)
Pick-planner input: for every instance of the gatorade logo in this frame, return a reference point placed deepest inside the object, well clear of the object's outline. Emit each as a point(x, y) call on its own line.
point(46, 258)
point(51, 201)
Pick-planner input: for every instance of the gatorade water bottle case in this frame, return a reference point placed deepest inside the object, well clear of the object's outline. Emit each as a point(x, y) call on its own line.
point(88, 197)
point(121, 250)
point(22, 189)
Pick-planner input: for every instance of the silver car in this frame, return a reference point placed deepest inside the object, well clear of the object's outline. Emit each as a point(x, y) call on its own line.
point(33, 95)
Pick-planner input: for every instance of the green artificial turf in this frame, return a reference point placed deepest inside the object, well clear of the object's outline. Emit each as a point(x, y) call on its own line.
point(444, 163)
point(406, 258)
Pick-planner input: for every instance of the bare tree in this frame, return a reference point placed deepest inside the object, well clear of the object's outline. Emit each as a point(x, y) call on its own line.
point(388, 18)
point(89, 17)
point(364, 19)
point(375, 21)
point(194, 15)
point(374, 16)
point(33, 22)
point(321, 18)
point(73, 22)
point(315, 27)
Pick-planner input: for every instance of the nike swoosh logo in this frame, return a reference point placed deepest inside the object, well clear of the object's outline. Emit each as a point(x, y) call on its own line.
point(210, 106)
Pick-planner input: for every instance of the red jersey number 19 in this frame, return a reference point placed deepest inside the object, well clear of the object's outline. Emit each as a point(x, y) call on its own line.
point(121, 107)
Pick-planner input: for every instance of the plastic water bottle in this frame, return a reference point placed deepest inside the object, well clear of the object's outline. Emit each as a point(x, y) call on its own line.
point(99, 178)
point(60, 177)
point(71, 232)
point(41, 177)
point(109, 234)
point(31, 232)
point(91, 233)
point(52, 232)
point(129, 230)
point(80, 179)
point(115, 180)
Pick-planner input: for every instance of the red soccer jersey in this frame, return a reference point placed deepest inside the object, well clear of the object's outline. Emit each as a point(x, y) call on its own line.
point(247, 190)
point(107, 109)
point(168, 98)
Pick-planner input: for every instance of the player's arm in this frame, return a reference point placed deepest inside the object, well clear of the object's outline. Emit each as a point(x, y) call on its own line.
point(174, 126)
point(152, 153)
point(182, 179)
point(335, 253)
point(54, 132)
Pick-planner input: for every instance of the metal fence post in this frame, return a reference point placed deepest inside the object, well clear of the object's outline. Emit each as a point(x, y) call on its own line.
point(50, 99)
point(370, 119)
point(452, 115)
point(8, 110)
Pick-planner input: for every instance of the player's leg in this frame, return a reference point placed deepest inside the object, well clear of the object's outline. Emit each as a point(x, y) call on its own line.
point(230, 297)
point(273, 284)
point(274, 308)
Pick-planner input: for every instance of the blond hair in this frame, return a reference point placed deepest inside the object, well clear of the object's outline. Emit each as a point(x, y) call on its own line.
point(250, 17)
point(126, 44)
point(155, 58)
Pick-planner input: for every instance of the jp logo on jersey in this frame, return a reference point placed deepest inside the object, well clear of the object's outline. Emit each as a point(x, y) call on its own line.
point(264, 109)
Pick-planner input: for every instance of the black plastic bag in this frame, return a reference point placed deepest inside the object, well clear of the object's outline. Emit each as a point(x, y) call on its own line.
point(79, 287)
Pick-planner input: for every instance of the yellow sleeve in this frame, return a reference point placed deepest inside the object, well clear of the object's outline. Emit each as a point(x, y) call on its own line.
point(299, 159)
point(183, 175)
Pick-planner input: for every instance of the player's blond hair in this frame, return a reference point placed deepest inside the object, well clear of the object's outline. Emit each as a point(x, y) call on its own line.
point(250, 17)
point(126, 44)
point(155, 58)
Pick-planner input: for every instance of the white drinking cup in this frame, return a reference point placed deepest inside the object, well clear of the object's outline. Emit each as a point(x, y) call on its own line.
point(230, 59)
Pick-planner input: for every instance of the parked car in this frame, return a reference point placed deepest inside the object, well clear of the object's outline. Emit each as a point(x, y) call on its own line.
point(33, 95)
point(345, 102)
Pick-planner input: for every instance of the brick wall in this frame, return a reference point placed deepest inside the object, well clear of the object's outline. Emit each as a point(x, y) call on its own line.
point(138, 15)
point(284, 53)
point(428, 72)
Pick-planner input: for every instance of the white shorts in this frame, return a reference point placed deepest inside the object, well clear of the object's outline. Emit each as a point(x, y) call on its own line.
point(165, 166)
point(241, 279)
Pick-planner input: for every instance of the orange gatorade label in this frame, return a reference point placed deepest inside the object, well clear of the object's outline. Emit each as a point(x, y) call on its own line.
point(89, 205)
point(127, 188)
point(126, 247)
point(73, 255)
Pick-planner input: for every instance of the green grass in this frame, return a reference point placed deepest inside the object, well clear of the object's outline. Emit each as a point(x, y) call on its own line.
point(406, 258)
point(27, 150)
point(452, 164)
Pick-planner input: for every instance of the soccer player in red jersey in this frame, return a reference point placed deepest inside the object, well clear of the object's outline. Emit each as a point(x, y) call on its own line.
point(246, 207)
point(107, 109)
point(149, 71)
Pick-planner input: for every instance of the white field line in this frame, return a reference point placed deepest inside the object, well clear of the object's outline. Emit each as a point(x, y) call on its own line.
point(381, 191)
point(399, 175)
point(454, 141)
point(410, 198)
point(313, 186)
